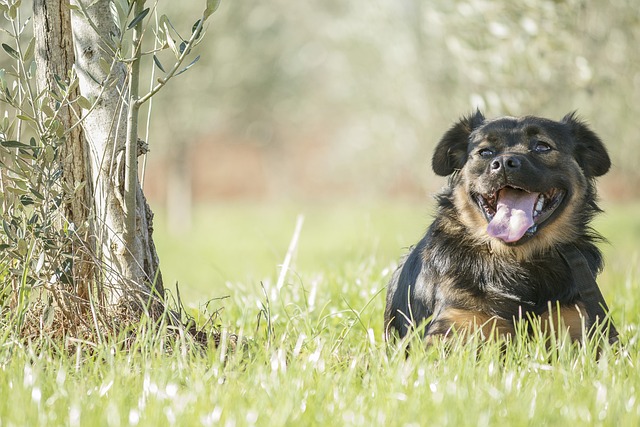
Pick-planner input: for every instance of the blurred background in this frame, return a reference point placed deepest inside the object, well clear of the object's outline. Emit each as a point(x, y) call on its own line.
point(329, 99)
point(331, 109)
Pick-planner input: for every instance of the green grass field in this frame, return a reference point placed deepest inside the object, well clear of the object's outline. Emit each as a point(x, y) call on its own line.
point(313, 353)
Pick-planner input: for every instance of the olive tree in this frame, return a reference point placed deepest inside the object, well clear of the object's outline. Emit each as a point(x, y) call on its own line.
point(75, 218)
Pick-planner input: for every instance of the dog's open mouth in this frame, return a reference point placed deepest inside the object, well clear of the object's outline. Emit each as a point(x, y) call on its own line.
point(513, 212)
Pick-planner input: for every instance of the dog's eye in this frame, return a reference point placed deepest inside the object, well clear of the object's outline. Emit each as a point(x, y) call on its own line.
point(485, 152)
point(541, 147)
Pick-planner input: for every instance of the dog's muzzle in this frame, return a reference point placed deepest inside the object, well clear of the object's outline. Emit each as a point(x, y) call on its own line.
point(512, 212)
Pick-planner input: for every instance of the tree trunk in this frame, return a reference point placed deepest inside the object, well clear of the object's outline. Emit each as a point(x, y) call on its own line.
point(54, 58)
point(129, 262)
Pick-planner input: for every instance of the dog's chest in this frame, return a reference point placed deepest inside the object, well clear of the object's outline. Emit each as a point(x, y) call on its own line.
point(508, 284)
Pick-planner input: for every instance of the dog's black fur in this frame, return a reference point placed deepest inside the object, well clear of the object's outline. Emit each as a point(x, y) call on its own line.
point(460, 276)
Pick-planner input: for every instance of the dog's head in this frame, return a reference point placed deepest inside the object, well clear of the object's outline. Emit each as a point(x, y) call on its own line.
point(522, 183)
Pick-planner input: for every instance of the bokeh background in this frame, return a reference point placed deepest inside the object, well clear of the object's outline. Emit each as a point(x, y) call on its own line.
point(324, 99)
point(331, 109)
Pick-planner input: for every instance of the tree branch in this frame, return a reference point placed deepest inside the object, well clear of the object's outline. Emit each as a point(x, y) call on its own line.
point(163, 81)
point(131, 145)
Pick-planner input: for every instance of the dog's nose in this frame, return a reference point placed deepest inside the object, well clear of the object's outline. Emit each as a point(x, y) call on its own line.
point(512, 163)
point(506, 162)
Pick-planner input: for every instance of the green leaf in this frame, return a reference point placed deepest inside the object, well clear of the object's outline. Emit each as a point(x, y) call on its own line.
point(60, 130)
point(25, 118)
point(79, 186)
point(170, 41)
point(57, 174)
point(49, 154)
point(37, 193)
point(11, 51)
point(138, 18)
point(28, 54)
point(26, 200)
point(158, 64)
point(61, 83)
point(212, 6)
point(105, 65)
point(162, 22)
point(83, 103)
point(22, 247)
point(32, 69)
point(55, 95)
point(73, 84)
point(26, 154)
point(20, 184)
point(33, 219)
point(13, 12)
point(115, 10)
point(195, 27)
point(13, 144)
point(48, 111)
point(8, 231)
point(188, 66)
point(15, 190)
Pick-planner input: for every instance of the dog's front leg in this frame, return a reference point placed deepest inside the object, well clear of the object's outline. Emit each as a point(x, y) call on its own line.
point(455, 321)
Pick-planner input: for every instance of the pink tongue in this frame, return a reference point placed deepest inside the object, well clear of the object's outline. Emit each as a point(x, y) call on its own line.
point(514, 215)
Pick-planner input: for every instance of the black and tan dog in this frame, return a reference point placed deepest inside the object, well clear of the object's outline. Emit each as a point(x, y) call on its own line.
point(511, 239)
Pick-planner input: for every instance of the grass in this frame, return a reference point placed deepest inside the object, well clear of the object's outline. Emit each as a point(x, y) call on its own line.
point(243, 244)
point(315, 356)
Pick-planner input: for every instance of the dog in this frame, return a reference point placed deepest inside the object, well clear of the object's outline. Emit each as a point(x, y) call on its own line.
point(511, 239)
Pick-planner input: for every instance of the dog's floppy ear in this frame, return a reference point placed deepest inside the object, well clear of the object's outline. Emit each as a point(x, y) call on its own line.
point(451, 152)
point(589, 151)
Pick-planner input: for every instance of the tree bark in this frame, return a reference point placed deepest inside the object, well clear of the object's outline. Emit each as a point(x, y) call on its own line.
point(130, 262)
point(54, 59)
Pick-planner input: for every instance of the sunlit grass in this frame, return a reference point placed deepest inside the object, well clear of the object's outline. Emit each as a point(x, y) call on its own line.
point(312, 352)
point(233, 249)
point(242, 244)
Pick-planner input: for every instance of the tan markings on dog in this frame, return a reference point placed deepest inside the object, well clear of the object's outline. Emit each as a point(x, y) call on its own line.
point(469, 214)
point(568, 319)
point(453, 320)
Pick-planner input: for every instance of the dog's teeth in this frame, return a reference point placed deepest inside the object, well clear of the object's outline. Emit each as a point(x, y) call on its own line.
point(540, 204)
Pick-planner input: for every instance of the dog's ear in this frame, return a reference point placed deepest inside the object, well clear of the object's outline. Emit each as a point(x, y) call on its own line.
point(589, 150)
point(451, 152)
